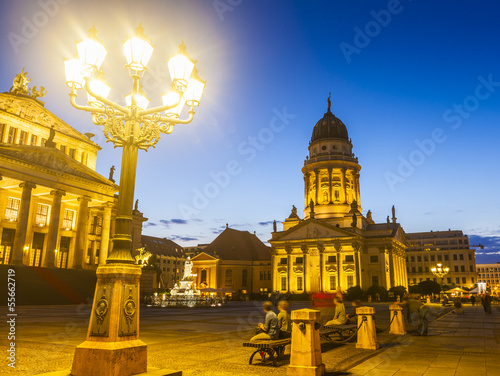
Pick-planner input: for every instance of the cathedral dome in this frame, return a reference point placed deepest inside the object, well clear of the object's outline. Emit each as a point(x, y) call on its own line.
point(329, 126)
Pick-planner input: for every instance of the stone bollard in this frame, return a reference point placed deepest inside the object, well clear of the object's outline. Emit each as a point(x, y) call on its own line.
point(397, 320)
point(305, 354)
point(367, 333)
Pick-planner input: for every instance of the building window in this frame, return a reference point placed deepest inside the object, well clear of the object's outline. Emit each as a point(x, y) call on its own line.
point(332, 259)
point(8, 235)
point(23, 138)
point(412, 258)
point(455, 257)
point(374, 259)
point(72, 153)
point(84, 158)
point(244, 278)
point(461, 257)
point(414, 281)
point(69, 219)
point(34, 139)
point(63, 148)
point(440, 258)
point(96, 225)
point(2, 131)
point(333, 282)
point(11, 137)
point(299, 283)
point(471, 268)
point(283, 261)
point(457, 280)
point(349, 258)
point(203, 276)
point(413, 269)
point(419, 258)
point(36, 249)
point(283, 284)
point(470, 256)
point(299, 260)
point(420, 269)
point(62, 255)
point(446, 258)
point(448, 280)
point(433, 258)
point(456, 268)
point(229, 277)
point(350, 281)
point(97, 252)
point(42, 215)
point(12, 211)
point(462, 268)
point(375, 280)
point(427, 269)
point(464, 280)
point(472, 280)
point(90, 252)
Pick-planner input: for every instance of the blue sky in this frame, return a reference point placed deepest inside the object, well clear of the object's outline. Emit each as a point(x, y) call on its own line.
point(416, 82)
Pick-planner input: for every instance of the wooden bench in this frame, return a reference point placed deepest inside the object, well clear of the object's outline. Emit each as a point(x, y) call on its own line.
point(274, 349)
point(344, 331)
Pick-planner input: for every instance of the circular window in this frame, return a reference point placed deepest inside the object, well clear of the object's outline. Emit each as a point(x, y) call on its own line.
point(323, 148)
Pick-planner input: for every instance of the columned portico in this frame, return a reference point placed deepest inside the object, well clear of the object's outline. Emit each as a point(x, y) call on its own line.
point(53, 234)
point(24, 214)
point(106, 230)
point(81, 235)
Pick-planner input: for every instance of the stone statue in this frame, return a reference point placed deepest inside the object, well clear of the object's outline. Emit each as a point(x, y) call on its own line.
point(329, 102)
point(38, 93)
point(50, 141)
point(369, 215)
point(388, 220)
point(136, 207)
point(274, 226)
point(111, 173)
point(354, 220)
point(188, 267)
point(311, 206)
point(393, 212)
point(143, 257)
point(20, 83)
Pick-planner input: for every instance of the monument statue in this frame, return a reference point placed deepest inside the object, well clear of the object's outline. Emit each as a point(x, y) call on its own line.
point(111, 173)
point(354, 220)
point(136, 207)
point(369, 215)
point(329, 102)
point(388, 220)
point(35, 93)
point(274, 226)
point(393, 212)
point(50, 141)
point(20, 83)
point(188, 267)
point(143, 257)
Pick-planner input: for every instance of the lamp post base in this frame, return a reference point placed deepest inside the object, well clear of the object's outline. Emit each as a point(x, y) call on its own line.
point(113, 347)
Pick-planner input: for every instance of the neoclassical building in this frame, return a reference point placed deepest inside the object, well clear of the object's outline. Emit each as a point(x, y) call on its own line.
point(335, 246)
point(55, 209)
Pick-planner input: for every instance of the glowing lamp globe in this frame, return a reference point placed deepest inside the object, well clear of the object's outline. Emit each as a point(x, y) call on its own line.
point(91, 52)
point(173, 112)
point(100, 87)
point(74, 73)
point(141, 100)
point(194, 89)
point(138, 50)
point(180, 67)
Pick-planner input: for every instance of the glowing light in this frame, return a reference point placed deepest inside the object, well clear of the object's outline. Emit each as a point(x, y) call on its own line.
point(74, 73)
point(99, 86)
point(138, 50)
point(91, 52)
point(194, 89)
point(180, 67)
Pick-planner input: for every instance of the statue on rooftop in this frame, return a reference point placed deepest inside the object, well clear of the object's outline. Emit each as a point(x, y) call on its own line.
point(35, 93)
point(329, 102)
point(20, 83)
point(369, 215)
point(50, 141)
point(136, 207)
point(111, 173)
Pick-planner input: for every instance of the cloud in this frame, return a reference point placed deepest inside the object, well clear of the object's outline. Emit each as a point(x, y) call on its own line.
point(150, 224)
point(267, 223)
point(176, 221)
point(184, 238)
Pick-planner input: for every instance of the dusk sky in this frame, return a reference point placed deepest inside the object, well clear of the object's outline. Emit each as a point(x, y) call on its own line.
point(417, 84)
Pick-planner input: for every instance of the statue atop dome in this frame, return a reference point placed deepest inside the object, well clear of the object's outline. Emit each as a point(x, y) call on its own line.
point(329, 103)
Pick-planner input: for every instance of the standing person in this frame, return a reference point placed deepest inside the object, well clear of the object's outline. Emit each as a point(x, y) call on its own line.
point(486, 302)
point(416, 306)
point(284, 320)
point(473, 300)
point(340, 317)
point(269, 330)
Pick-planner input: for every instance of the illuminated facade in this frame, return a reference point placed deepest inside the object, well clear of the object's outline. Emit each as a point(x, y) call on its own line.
point(335, 246)
point(489, 274)
point(236, 261)
point(449, 248)
point(55, 209)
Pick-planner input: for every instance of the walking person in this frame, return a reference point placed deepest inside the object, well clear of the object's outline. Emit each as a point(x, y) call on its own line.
point(416, 306)
point(473, 300)
point(486, 302)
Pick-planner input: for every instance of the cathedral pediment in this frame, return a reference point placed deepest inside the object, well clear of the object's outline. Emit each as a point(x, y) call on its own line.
point(312, 229)
point(50, 160)
point(33, 110)
point(204, 257)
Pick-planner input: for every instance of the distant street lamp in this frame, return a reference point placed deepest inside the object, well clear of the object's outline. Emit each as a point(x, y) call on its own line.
point(113, 346)
point(440, 272)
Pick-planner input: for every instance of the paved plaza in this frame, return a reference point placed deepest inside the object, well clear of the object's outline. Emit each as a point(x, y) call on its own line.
point(208, 341)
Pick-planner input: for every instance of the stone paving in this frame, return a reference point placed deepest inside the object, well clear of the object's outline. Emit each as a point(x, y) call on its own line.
point(458, 344)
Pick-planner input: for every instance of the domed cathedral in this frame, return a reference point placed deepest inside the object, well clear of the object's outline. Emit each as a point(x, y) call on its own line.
point(335, 246)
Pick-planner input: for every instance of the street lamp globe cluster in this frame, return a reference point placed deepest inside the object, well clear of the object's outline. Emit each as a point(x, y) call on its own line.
point(440, 271)
point(113, 347)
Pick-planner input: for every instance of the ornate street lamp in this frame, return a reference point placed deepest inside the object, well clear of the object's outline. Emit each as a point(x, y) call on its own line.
point(113, 346)
point(440, 271)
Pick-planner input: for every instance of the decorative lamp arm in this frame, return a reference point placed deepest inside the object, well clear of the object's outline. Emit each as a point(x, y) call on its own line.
point(112, 104)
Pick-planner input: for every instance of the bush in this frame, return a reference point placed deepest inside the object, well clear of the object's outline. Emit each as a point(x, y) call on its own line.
point(430, 287)
point(355, 293)
point(398, 290)
point(415, 289)
point(373, 290)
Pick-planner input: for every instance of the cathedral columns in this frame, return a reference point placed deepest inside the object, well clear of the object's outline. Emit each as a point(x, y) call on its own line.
point(288, 267)
point(105, 234)
point(356, 248)
point(318, 188)
point(22, 228)
point(338, 248)
point(356, 179)
point(391, 266)
point(306, 189)
point(53, 234)
point(81, 234)
point(305, 272)
point(320, 251)
point(344, 185)
point(330, 182)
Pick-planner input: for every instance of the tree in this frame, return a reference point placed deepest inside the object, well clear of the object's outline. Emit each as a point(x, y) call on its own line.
point(415, 289)
point(374, 290)
point(430, 287)
point(355, 293)
point(398, 290)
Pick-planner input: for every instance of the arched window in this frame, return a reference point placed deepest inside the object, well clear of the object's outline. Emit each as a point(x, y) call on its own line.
point(229, 277)
point(204, 276)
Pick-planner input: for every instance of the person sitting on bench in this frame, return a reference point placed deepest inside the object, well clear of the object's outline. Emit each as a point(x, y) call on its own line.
point(270, 329)
point(352, 317)
point(284, 320)
point(340, 317)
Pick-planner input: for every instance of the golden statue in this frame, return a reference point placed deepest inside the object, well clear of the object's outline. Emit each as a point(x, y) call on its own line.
point(20, 83)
